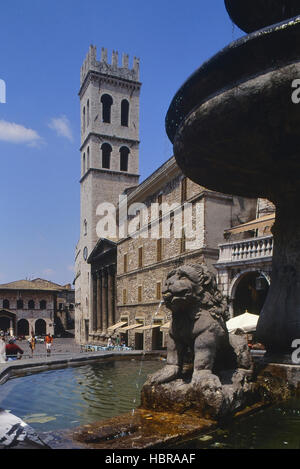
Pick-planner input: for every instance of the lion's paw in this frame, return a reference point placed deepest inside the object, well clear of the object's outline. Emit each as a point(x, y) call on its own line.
point(167, 374)
point(206, 380)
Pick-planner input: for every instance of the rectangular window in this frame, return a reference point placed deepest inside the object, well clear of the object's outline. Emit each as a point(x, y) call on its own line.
point(124, 296)
point(182, 242)
point(159, 250)
point(140, 257)
point(125, 259)
point(159, 201)
point(158, 291)
point(140, 294)
point(183, 190)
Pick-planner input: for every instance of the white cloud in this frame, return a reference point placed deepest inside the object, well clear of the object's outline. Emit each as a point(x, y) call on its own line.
point(16, 133)
point(62, 127)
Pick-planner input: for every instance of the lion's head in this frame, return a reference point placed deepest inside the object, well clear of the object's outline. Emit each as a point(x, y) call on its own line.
point(193, 287)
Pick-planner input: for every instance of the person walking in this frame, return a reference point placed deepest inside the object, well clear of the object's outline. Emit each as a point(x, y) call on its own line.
point(32, 343)
point(48, 342)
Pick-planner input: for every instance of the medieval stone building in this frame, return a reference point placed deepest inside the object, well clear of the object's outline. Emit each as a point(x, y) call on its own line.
point(32, 305)
point(143, 262)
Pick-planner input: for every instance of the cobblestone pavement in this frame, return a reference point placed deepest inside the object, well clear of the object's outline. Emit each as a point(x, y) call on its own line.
point(60, 346)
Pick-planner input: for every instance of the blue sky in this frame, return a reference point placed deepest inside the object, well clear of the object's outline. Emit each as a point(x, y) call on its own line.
point(42, 46)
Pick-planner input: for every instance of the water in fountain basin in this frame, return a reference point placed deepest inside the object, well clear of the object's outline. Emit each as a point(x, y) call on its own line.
point(71, 397)
point(138, 385)
point(277, 427)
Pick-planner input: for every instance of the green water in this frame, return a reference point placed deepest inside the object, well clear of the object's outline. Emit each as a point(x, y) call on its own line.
point(62, 399)
point(277, 427)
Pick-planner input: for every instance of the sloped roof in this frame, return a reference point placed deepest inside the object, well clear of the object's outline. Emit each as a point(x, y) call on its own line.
point(101, 247)
point(43, 282)
point(38, 284)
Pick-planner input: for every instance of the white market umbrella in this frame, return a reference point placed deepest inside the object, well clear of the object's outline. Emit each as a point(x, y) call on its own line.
point(246, 322)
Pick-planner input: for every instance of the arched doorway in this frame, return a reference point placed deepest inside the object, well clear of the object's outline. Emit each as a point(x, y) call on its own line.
point(23, 327)
point(7, 321)
point(4, 324)
point(40, 327)
point(250, 294)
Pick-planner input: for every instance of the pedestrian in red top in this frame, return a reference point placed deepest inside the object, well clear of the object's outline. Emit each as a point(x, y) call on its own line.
point(48, 342)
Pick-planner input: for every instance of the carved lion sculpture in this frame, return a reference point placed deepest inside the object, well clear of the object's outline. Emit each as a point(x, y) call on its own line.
point(198, 324)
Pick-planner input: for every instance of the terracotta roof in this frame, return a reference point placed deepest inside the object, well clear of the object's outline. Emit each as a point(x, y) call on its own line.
point(38, 284)
point(41, 281)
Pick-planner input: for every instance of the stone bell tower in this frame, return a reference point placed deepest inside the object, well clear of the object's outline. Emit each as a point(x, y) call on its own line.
point(109, 106)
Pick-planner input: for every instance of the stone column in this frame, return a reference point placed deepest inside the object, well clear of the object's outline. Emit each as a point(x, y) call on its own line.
point(94, 308)
point(99, 301)
point(110, 294)
point(104, 300)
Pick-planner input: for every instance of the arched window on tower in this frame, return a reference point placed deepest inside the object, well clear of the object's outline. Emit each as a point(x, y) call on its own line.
point(124, 152)
point(88, 159)
point(83, 119)
point(88, 113)
point(6, 304)
point(124, 112)
point(106, 152)
point(83, 164)
point(107, 102)
point(85, 227)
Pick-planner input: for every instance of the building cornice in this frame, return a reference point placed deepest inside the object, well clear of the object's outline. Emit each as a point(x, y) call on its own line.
point(107, 78)
point(104, 137)
point(108, 171)
point(149, 303)
point(155, 181)
point(258, 261)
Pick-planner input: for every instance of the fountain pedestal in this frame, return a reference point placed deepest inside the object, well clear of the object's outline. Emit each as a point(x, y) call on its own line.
point(279, 323)
point(237, 392)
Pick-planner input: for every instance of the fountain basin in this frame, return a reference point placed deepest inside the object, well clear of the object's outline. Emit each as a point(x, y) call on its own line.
point(245, 139)
point(154, 427)
point(165, 428)
point(251, 15)
point(235, 115)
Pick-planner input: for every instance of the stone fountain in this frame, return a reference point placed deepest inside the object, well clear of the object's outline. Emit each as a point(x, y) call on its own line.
point(235, 129)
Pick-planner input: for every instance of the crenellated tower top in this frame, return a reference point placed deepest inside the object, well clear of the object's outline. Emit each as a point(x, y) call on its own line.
point(113, 69)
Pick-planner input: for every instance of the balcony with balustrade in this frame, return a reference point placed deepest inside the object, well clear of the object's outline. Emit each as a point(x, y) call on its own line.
point(246, 251)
